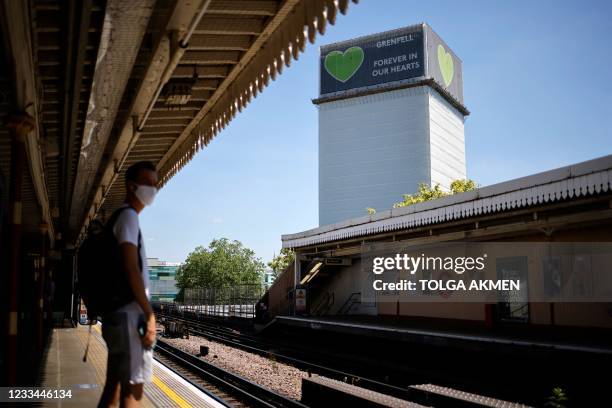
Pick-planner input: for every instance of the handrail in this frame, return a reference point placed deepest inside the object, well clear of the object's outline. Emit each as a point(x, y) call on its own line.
point(518, 309)
point(351, 301)
point(323, 306)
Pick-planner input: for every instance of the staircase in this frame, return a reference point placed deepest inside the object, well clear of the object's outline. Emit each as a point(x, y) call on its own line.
point(353, 299)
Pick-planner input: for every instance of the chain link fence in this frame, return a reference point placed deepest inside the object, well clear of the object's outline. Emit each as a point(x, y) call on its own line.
point(226, 301)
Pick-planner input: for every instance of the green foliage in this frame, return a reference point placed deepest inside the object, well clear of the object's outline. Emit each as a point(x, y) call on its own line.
point(371, 211)
point(180, 296)
point(427, 193)
point(280, 262)
point(463, 185)
point(223, 263)
point(558, 399)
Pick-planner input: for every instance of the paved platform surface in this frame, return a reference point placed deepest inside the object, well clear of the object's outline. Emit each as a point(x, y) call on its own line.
point(65, 369)
point(421, 333)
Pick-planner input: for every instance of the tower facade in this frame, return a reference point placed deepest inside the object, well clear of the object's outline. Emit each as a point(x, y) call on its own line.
point(391, 116)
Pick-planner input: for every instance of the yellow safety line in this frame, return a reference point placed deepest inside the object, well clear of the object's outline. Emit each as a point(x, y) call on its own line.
point(170, 393)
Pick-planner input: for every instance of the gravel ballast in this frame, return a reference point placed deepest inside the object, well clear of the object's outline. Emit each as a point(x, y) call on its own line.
point(279, 377)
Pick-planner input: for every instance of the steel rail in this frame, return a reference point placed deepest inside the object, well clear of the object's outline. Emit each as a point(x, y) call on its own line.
point(202, 389)
point(299, 363)
point(238, 340)
point(246, 390)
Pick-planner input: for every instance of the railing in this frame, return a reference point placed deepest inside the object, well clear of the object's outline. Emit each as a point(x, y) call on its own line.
point(225, 301)
point(352, 300)
point(519, 313)
point(323, 306)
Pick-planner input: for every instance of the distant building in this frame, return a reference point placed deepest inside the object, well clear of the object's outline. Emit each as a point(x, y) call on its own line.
point(162, 278)
point(268, 278)
point(391, 116)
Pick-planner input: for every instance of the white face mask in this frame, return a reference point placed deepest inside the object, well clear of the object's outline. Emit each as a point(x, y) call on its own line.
point(146, 194)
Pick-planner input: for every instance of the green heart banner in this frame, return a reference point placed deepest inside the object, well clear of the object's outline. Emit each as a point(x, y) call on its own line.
point(445, 62)
point(343, 65)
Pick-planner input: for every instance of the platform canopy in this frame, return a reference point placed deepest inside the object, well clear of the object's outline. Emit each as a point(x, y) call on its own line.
point(109, 83)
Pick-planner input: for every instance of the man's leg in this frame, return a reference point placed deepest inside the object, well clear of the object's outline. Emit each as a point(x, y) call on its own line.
point(112, 386)
point(110, 395)
point(131, 394)
point(114, 332)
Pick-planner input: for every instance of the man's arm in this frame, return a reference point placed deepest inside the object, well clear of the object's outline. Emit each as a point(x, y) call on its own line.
point(131, 266)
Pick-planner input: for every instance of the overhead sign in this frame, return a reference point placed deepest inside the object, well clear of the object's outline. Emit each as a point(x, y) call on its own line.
point(398, 56)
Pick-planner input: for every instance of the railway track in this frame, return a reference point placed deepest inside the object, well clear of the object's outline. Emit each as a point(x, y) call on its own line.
point(226, 387)
point(431, 395)
point(258, 346)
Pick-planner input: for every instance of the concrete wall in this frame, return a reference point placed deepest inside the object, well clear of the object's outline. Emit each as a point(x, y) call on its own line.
point(347, 281)
point(571, 314)
point(447, 142)
point(374, 148)
point(278, 302)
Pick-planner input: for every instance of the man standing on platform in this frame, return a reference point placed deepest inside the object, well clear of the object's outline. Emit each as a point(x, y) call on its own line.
point(129, 331)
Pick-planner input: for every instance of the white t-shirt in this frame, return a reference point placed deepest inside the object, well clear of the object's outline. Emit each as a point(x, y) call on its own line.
point(126, 229)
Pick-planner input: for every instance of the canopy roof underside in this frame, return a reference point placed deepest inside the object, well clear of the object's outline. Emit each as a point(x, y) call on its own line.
point(115, 82)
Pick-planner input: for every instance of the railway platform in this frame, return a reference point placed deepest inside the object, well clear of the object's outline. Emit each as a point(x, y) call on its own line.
point(407, 350)
point(423, 332)
point(64, 369)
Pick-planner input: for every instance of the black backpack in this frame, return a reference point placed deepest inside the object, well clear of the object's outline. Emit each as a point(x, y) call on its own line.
point(102, 282)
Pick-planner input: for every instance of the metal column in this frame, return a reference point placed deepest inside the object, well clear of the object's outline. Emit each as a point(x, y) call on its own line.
point(41, 273)
point(19, 126)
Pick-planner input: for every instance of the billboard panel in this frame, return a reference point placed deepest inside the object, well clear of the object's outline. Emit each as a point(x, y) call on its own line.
point(387, 57)
point(397, 56)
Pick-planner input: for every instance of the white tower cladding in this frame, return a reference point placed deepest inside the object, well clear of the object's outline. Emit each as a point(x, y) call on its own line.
point(390, 117)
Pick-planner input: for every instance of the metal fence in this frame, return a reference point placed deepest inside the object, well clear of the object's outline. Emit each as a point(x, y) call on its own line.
point(226, 301)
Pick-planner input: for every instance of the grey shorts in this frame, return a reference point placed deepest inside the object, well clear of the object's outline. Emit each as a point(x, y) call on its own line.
point(128, 360)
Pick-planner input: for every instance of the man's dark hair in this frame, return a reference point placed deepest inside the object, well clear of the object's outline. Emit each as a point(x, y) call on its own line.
point(132, 172)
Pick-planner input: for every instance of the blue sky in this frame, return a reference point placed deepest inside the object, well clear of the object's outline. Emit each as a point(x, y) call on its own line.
point(537, 80)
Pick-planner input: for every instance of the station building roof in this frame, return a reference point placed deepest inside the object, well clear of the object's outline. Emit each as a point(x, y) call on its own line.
point(589, 178)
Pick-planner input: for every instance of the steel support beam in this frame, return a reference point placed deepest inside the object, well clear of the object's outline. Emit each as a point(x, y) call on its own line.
point(75, 53)
point(125, 25)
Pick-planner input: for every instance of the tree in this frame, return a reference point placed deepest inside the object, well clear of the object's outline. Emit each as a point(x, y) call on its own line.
point(558, 399)
point(280, 262)
point(463, 185)
point(223, 263)
point(427, 193)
